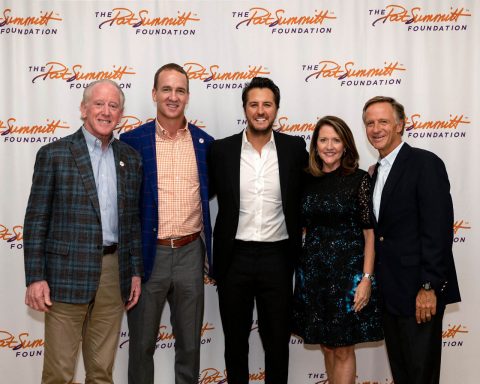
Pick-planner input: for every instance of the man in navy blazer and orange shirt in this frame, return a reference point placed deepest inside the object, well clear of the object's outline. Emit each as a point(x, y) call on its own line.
point(174, 205)
point(413, 244)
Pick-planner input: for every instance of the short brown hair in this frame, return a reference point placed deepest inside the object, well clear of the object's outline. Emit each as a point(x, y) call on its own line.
point(349, 161)
point(261, 82)
point(398, 109)
point(172, 67)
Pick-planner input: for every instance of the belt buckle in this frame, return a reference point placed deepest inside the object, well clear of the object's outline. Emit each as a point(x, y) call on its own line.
point(172, 245)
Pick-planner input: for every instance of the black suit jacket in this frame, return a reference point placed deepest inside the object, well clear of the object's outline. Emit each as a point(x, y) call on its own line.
point(224, 171)
point(414, 232)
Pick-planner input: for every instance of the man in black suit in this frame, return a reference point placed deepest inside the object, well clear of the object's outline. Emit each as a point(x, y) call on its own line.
point(413, 244)
point(256, 175)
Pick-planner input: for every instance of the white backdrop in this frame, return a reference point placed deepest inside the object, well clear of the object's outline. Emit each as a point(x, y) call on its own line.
point(328, 57)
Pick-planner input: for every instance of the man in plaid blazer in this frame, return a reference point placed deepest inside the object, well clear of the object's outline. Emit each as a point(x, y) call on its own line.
point(82, 239)
point(174, 214)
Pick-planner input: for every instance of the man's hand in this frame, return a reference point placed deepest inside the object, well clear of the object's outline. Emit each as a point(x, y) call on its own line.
point(135, 292)
point(426, 305)
point(38, 296)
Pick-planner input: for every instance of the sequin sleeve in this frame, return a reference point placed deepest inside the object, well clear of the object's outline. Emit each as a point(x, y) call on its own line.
point(365, 203)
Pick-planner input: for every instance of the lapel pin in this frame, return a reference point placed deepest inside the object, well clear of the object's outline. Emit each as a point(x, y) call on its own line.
point(122, 164)
point(201, 141)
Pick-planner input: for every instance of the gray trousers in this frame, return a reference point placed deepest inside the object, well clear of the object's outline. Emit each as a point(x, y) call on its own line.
point(177, 277)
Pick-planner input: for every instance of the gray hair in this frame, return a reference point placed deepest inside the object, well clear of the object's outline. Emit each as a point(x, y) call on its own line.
point(88, 91)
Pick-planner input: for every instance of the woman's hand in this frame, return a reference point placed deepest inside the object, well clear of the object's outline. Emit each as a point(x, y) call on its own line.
point(362, 294)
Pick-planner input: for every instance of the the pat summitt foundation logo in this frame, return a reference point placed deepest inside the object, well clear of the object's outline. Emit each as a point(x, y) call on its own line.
point(351, 73)
point(43, 22)
point(417, 18)
point(280, 21)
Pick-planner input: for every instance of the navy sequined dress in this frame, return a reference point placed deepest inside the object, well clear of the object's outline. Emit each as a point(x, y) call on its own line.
point(335, 210)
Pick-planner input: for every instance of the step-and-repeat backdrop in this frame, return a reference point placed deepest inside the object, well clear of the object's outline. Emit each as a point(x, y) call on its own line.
point(328, 57)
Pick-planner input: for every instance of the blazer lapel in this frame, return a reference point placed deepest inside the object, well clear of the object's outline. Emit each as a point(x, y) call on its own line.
point(282, 151)
point(120, 171)
point(198, 146)
point(396, 172)
point(374, 180)
point(80, 153)
point(150, 162)
point(236, 153)
point(375, 173)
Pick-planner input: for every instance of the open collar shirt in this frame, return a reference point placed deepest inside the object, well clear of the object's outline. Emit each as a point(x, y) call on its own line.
point(384, 168)
point(261, 215)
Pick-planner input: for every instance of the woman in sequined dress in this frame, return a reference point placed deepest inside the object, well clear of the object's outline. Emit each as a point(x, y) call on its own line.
point(335, 293)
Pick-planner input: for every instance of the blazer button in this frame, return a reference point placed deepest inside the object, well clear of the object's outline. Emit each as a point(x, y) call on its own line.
point(380, 238)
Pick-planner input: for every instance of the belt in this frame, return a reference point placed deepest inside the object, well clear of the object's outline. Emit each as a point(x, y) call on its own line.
point(109, 249)
point(177, 242)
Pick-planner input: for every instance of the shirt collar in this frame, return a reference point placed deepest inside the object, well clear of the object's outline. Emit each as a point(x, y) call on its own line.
point(92, 141)
point(390, 158)
point(245, 141)
point(163, 133)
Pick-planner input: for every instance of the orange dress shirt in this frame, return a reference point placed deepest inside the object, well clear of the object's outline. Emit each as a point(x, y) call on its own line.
point(179, 204)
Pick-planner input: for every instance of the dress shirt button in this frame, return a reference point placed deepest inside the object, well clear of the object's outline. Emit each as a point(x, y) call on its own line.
point(380, 238)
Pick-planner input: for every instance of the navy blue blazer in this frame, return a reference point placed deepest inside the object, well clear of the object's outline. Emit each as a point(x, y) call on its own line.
point(143, 140)
point(414, 232)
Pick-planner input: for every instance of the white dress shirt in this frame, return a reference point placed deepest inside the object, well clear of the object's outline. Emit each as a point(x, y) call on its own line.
point(261, 215)
point(382, 174)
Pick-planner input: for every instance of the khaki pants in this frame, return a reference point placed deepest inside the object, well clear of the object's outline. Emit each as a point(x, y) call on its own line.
point(96, 325)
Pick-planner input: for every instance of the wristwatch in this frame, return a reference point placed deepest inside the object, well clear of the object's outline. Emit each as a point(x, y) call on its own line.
point(427, 286)
point(369, 276)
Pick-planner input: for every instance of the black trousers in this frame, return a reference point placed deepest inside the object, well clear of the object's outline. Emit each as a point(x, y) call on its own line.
point(260, 272)
point(414, 350)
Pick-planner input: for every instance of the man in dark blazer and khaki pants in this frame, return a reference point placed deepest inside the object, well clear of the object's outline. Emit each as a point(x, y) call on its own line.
point(256, 175)
point(82, 243)
point(413, 244)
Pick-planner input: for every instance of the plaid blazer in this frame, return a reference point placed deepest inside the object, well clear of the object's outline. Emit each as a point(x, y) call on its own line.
point(143, 140)
point(63, 230)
